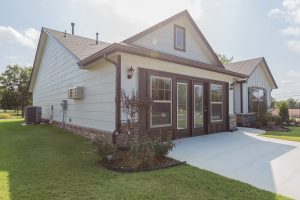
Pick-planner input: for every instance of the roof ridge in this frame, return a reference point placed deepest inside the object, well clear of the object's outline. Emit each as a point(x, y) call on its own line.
point(51, 29)
point(258, 58)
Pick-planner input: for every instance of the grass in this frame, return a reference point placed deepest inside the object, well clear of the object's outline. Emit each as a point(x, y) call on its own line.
point(44, 162)
point(292, 135)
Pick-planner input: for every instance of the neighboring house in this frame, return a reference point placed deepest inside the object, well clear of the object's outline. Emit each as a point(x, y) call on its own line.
point(254, 92)
point(173, 64)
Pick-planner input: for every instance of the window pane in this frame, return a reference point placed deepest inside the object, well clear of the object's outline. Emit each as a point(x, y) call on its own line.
point(179, 38)
point(155, 95)
point(216, 111)
point(198, 106)
point(181, 105)
point(216, 102)
point(216, 93)
point(161, 114)
point(168, 95)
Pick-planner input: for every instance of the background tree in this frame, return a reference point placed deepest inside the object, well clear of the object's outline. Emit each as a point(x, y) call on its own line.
point(283, 109)
point(224, 60)
point(292, 103)
point(13, 85)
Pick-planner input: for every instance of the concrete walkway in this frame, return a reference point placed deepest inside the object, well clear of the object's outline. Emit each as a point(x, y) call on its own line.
point(266, 163)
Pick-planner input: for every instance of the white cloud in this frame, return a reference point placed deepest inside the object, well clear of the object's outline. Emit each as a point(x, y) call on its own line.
point(292, 30)
point(288, 86)
point(290, 11)
point(294, 45)
point(9, 35)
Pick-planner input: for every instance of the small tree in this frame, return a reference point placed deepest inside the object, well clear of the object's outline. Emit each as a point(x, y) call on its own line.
point(283, 108)
point(224, 60)
point(133, 107)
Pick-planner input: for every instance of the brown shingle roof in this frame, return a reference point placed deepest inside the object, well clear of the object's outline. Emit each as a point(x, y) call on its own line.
point(81, 47)
point(244, 67)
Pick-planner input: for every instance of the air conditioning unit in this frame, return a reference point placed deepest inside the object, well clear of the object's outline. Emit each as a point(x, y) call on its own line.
point(75, 93)
point(33, 115)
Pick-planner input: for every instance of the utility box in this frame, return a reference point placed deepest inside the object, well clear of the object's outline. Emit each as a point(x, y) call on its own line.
point(64, 105)
point(33, 115)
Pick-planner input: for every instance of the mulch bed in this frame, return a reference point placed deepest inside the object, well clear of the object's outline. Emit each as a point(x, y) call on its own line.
point(123, 165)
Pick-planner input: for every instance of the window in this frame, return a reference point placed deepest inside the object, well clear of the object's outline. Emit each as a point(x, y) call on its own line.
point(161, 108)
point(198, 106)
point(182, 105)
point(179, 38)
point(216, 102)
point(257, 99)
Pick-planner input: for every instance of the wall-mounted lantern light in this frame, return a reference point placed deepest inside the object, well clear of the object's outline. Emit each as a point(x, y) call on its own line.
point(130, 72)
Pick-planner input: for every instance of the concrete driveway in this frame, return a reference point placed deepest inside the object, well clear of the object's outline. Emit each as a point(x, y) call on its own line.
point(269, 164)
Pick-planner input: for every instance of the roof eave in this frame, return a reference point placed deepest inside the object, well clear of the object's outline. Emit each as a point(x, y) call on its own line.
point(155, 55)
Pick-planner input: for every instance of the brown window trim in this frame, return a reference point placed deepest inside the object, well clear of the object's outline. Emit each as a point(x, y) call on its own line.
point(250, 103)
point(174, 76)
point(184, 38)
point(224, 99)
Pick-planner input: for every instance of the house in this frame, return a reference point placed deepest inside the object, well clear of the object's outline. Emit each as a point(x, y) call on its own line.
point(77, 81)
point(254, 92)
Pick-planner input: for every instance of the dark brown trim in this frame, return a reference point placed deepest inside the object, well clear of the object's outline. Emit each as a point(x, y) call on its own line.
point(209, 127)
point(144, 52)
point(184, 37)
point(159, 25)
point(118, 97)
point(250, 94)
point(241, 96)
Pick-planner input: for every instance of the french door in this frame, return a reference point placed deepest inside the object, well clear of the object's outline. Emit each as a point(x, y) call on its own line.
point(190, 115)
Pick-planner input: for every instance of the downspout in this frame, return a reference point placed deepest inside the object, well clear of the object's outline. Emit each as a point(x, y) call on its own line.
point(118, 98)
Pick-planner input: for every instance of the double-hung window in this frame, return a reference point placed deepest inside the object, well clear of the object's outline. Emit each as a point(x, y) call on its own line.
point(216, 102)
point(161, 107)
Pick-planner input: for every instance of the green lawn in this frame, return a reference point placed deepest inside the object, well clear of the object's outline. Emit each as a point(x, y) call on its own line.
point(292, 135)
point(44, 162)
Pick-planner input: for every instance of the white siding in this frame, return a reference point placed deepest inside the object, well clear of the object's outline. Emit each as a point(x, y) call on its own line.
point(148, 63)
point(162, 40)
point(59, 71)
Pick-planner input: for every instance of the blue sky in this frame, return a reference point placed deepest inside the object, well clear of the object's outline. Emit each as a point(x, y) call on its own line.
point(243, 29)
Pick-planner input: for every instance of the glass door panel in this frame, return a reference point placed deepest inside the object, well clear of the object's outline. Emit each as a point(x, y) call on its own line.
point(198, 106)
point(182, 105)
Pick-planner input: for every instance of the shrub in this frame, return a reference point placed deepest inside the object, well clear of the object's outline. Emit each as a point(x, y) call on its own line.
point(161, 148)
point(142, 152)
point(277, 119)
point(262, 117)
point(145, 150)
point(5, 116)
point(102, 148)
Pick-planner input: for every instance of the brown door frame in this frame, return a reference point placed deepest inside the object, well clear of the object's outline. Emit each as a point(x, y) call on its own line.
point(179, 133)
point(202, 130)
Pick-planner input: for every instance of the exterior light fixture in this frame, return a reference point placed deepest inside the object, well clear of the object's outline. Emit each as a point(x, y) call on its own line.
point(130, 72)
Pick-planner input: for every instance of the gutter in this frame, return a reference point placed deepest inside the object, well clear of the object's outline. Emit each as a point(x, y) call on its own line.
point(118, 95)
point(144, 52)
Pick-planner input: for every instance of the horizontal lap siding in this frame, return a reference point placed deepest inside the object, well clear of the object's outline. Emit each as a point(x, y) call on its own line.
point(162, 40)
point(59, 71)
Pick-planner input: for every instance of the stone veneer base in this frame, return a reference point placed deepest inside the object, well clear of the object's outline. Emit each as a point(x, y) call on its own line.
point(84, 131)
